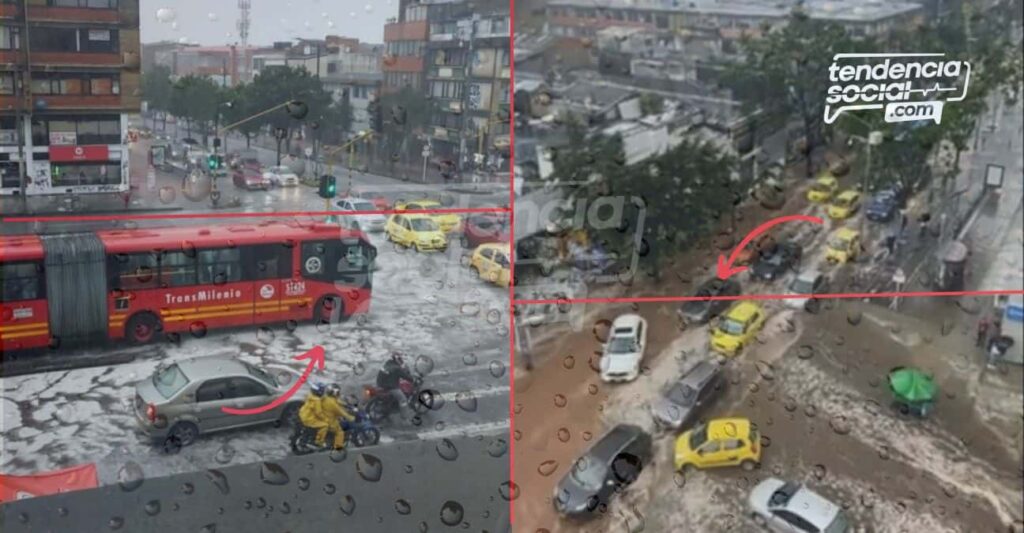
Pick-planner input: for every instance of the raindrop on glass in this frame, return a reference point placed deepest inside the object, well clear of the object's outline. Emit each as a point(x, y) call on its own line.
point(130, 476)
point(219, 480)
point(547, 467)
point(560, 400)
point(402, 507)
point(446, 449)
point(347, 504)
point(451, 513)
point(273, 474)
point(497, 369)
point(369, 467)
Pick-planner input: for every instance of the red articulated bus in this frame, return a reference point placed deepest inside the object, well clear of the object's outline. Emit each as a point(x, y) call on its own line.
point(141, 284)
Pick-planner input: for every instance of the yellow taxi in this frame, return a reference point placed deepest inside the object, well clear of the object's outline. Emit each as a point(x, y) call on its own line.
point(720, 442)
point(843, 246)
point(448, 222)
point(822, 189)
point(490, 262)
point(844, 205)
point(416, 231)
point(737, 327)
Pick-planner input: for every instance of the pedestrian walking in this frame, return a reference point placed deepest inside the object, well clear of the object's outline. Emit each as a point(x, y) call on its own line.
point(982, 334)
point(995, 354)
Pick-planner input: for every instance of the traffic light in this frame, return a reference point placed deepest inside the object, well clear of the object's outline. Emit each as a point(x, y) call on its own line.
point(213, 162)
point(376, 116)
point(328, 186)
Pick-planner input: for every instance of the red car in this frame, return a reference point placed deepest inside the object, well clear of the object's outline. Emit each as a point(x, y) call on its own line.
point(485, 228)
point(250, 179)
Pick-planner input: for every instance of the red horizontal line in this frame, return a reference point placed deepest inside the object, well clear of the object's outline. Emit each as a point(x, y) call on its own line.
point(199, 216)
point(836, 296)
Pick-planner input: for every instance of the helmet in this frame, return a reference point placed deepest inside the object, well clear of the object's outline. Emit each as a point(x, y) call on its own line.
point(334, 390)
point(317, 388)
point(397, 357)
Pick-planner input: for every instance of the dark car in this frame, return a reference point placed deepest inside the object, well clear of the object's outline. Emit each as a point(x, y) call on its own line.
point(883, 206)
point(684, 399)
point(774, 263)
point(700, 312)
point(610, 465)
point(482, 229)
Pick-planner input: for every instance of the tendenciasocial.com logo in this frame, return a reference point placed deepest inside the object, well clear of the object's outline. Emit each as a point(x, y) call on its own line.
point(907, 86)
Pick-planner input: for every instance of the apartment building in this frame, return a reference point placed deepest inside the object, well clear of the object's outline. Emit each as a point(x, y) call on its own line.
point(69, 78)
point(468, 76)
point(227, 66)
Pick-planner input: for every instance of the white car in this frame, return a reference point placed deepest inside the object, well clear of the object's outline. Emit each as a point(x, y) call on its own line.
point(281, 177)
point(789, 507)
point(624, 349)
point(809, 282)
point(365, 219)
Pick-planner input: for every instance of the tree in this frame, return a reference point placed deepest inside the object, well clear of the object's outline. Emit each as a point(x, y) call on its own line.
point(276, 85)
point(157, 89)
point(196, 98)
point(789, 68)
point(241, 108)
point(406, 114)
point(683, 192)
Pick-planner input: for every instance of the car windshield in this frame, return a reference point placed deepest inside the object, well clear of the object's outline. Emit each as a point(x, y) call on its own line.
point(621, 345)
point(802, 286)
point(844, 201)
point(698, 437)
point(261, 375)
point(589, 473)
point(821, 187)
point(681, 394)
point(168, 381)
point(363, 206)
point(731, 326)
point(423, 224)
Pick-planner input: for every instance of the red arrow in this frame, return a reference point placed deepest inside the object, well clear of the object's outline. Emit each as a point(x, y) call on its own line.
point(316, 359)
point(725, 268)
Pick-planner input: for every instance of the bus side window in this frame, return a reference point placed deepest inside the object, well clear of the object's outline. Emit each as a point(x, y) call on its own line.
point(222, 265)
point(267, 261)
point(315, 259)
point(133, 271)
point(177, 269)
point(22, 281)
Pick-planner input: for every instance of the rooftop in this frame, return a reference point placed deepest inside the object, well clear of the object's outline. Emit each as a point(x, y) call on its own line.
point(847, 11)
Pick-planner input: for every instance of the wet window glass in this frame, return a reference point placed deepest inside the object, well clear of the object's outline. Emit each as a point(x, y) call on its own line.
point(219, 266)
point(22, 281)
point(169, 381)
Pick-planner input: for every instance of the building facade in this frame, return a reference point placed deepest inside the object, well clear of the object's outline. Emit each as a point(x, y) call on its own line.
point(227, 66)
point(468, 76)
point(65, 98)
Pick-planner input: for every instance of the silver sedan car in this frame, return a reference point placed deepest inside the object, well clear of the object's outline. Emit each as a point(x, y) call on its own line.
point(789, 507)
point(183, 400)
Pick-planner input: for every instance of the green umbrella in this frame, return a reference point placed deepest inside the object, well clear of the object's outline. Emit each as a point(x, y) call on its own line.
point(912, 385)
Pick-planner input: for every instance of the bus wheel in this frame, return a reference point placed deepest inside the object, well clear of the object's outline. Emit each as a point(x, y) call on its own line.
point(329, 310)
point(142, 328)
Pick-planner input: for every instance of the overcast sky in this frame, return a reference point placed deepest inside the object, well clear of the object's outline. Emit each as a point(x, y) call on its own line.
point(213, 22)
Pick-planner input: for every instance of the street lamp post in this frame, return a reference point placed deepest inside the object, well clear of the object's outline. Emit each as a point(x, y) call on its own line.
point(874, 138)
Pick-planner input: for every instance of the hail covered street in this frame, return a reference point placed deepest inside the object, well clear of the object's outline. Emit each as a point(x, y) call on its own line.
point(447, 323)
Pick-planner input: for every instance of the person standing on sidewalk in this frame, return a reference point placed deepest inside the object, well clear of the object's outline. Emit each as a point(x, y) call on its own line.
point(982, 334)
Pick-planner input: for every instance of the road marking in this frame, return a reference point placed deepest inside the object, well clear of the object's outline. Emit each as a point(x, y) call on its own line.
point(479, 393)
point(471, 430)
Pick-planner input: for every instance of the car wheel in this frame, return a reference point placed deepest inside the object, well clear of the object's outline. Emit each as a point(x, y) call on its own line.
point(142, 328)
point(329, 310)
point(182, 434)
point(289, 416)
point(476, 271)
point(748, 465)
point(759, 520)
point(688, 470)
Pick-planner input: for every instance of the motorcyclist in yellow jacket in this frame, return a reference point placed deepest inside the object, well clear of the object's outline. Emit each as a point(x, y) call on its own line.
point(333, 411)
point(312, 412)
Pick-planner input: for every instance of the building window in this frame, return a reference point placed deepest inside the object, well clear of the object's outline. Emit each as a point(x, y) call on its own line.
point(86, 129)
point(86, 174)
point(332, 67)
point(6, 83)
point(98, 40)
point(446, 89)
point(9, 38)
point(99, 4)
point(449, 58)
point(54, 40)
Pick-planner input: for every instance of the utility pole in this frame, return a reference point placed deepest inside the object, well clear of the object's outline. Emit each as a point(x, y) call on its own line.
point(224, 73)
point(23, 90)
point(874, 139)
point(467, 74)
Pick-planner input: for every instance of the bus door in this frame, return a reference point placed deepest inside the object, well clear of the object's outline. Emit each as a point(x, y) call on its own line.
point(270, 267)
point(76, 267)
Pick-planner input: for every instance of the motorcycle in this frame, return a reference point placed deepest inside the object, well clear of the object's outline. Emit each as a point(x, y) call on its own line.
point(361, 432)
point(381, 405)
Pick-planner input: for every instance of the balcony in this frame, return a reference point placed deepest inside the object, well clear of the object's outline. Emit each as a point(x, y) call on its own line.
point(406, 31)
point(74, 59)
point(402, 64)
point(72, 14)
point(70, 101)
point(456, 72)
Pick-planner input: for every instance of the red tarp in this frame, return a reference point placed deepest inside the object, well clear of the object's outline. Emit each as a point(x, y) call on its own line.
point(66, 480)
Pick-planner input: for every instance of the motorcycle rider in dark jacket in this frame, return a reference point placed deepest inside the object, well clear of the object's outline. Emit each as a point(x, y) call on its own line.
point(389, 379)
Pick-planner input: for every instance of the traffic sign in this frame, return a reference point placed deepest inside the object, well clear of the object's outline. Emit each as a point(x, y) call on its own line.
point(899, 277)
